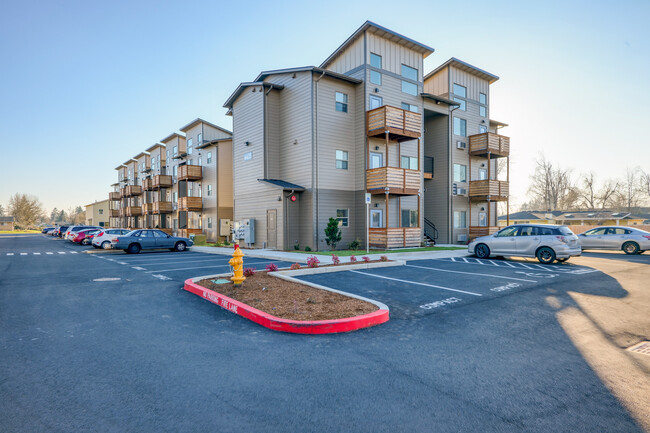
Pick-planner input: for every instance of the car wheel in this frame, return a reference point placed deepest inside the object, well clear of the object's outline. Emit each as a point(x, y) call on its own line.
point(180, 246)
point(482, 251)
point(545, 255)
point(631, 248)
point(563, 260)
point(133, 249)
point(106, 245)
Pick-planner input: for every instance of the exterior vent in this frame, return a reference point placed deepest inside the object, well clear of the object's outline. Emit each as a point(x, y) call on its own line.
point(462, 191)
point(462, 238)
point(461, 145)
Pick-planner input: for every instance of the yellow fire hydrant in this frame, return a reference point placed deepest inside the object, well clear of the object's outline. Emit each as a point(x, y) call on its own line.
point(237, 263)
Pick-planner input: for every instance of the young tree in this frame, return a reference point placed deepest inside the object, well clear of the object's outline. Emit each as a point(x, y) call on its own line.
point(2, 211)
point(25, 209)
point(332, 233)
point(54, 215)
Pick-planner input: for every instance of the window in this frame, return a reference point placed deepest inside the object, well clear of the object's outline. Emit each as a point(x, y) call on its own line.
point(189, 146)
point(209, 190)
point(341, 102)
point(409, 107)
point(175, 170)
point(175, 196)
point(482, 129)
point(375, 60)
point(509, 231)
point(460, 173)
point(460, 90)
point(482, 111)
point(460, 127)
point(376, 218)
point(142, 165)
point(410, 162)
point(410, 88)
point(159, 234)
point(167, 153)
point(209, 222)
point(101, 223)
point(482, 98)
point(409, 218)
point(342, 217)
point(463, 104)
point(482, 219)
point(175, 150)
point(209, 158)
point(460, 219)
point(375, 77)
point(342, 159)
point(199, 139)
point(410, 73)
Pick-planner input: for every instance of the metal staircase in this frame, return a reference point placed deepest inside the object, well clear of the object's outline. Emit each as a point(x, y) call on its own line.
point(430, 233)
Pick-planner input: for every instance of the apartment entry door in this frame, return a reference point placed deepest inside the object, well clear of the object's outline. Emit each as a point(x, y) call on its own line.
point(376, 160)
point(291, 220)
point(375, 102)
point(271, 228)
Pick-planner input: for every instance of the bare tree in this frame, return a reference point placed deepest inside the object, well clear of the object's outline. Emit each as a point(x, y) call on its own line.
point(587, 194)
point(27, 210)
point(552, 186)
point(607, 193)
point(645, 183)
point(630, 194)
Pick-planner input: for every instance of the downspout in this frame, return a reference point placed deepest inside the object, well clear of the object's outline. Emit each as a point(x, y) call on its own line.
point(451, 176)
point(316, 171)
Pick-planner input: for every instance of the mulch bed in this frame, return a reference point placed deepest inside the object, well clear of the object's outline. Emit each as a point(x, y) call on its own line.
point(289, 300)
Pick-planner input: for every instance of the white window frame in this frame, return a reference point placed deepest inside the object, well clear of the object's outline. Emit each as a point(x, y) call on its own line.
point(209, 190)
point(341, 105)
point(209, 161)
point(460, 219)
point(342, 157)
point(462, 167)
point(344, 221)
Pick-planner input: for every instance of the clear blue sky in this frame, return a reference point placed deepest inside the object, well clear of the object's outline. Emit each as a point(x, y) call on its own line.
point(87, 85)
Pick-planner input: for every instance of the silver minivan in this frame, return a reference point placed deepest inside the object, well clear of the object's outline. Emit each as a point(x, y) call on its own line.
point(544, 241)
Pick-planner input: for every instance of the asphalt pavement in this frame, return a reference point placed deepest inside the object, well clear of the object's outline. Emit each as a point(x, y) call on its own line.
point(111, 342)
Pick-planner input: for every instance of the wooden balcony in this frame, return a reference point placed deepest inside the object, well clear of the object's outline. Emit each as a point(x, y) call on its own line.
point(397, 237)
point(489, 143)
point(161, 181)
point(168, 231)
point(147, 184)
point(190, 172)
point(488, 190)
point(398, 180)
point(147, 208)
point(114, 195)
point(131, 190)
point(133, 211)
point(476, 231)
point(162, 207)
point(400, 124)
point(185, 233)
point(113, 213)
point(190, 204)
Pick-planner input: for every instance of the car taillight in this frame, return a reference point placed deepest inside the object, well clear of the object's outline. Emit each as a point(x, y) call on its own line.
point(646, 236)
point(562, 239)
point(115, 240)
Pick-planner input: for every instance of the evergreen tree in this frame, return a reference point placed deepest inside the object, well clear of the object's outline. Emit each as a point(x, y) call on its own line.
point(332, 233)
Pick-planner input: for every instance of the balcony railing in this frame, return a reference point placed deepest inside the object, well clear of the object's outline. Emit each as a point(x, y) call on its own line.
point(401, 124)
point(397, 180)
point(161, 181)
point(133, 211)
point(428, 167)
point(397, 237)
point(131, 190)
point(190, 204)
point(477, 231)
point(147, 208)
point(114, 213)
point(162, 207)
point(114, 195)
point(185, 233)
point(190, 172)
point(492, 190)
point(489, 143)
point(147, 184)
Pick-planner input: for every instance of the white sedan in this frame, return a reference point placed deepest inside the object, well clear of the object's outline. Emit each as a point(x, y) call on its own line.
point(103, 238)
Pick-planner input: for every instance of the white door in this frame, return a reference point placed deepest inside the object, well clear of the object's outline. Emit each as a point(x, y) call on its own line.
point(376, 218)
point(482, 219)
point(482, 174)
point(375, 102)
point(376, 160)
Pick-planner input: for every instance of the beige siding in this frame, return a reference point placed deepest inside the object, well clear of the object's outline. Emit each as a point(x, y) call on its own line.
point(394, 55)
point(437, 190)
point(474, 84)
point(350, 58)
point(272, 124)
point(438, 84)
point(224, 160)
point(391, 92)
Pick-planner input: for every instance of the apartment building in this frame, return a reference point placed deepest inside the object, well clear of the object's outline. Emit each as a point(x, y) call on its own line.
point(310, 142)
point(97, 214)
point(181, 185)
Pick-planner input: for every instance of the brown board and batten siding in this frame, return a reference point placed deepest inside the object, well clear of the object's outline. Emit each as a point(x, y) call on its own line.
point(224, 160)
point(438, 83)
point(349, 59)
point(209, 173)
point(394, 55)
point(272, 140)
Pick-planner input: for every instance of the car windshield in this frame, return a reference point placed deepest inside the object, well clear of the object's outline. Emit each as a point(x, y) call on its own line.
point(565, 230)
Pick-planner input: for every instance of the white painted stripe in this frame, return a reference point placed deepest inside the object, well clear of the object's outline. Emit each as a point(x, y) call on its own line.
point(453, 259)
point(10, 254)
point(73, 252)
point(472, 273)
point(494, 263)
point(526, 266)
point(137, 268)
point(464, 259)
point(120, 263)
point(49, 253)
point(509, 264)
point(37, 254)
point(23, 254)
point(201, 267)
point(61, 252)
point(416, 283)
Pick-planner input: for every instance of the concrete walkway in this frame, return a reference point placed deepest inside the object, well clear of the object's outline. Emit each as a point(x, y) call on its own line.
point(326, 259)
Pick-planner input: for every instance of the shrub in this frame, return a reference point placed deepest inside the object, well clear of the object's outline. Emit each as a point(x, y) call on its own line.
point(353, 259)
point(384, 258)
point(295, 266)
point(332, 233)
point(354, 245)
point(271, 267)
point(296, 246)
point(366, 259)
point(312, 262)
point(249, 272)
point(307, 248)
point(335, 259)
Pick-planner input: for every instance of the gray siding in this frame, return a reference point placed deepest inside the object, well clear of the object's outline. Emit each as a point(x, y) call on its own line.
point(436, 195)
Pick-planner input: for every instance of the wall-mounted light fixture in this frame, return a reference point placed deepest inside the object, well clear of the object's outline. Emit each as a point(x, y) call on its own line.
point(376, 204)
point(295, 141)
point(482, 209)
point(482, 164)
point(248, 143)
point(376, 147)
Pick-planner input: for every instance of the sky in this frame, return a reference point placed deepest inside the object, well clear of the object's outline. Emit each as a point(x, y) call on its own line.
point(87, 85)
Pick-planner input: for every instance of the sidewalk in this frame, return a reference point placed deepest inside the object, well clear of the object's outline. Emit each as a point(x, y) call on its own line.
point(327, 259)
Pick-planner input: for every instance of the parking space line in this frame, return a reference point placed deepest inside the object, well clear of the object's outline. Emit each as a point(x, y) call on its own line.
point(472, 273)
point(510, 264)
point(23, 254)
point(200, 267)
point(494, 263)
point(464, 259)
point(37, 254)
point(187, 260)
point(416, 283)
point(49, 253)
point(526, 266)
point(61, 252)
point(10, 254)
point(73, 252)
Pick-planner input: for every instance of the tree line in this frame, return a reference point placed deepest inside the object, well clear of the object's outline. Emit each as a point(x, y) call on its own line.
point(553, 187)
point(28, 212)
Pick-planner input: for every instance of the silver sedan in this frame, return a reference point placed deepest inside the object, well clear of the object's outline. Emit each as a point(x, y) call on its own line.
point(629, 239)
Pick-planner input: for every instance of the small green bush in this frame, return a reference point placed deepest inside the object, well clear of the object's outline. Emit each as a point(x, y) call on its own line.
point(354, 245)
point(307, 248)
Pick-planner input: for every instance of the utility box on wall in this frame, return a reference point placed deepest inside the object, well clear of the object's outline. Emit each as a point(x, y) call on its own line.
point(225, 227)
point(244, 229)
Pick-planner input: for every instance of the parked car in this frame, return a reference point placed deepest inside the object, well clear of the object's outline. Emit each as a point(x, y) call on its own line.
point(629, 239)
point(137, 240)
point(103, 238)
point(61, 231)
point(84, 237)
point(46, 230)
point(546, 242)
point(73, 230)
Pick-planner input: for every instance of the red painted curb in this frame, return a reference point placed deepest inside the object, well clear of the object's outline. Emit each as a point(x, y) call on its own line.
point(286, 325)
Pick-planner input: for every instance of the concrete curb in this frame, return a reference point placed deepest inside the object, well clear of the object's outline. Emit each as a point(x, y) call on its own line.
point(328, 269)
point(103, 251)
point(292, 326)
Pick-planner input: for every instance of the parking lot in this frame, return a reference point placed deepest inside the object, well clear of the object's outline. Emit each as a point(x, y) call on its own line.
point(110, 342)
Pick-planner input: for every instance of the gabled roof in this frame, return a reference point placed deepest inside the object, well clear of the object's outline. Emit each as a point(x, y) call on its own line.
point(464, 66)
point(171, 137)
point(140, 155)
point(242, 86)
point(121, 166)
point(523, 215)
point(198, 120)
point(129, 161)
point(262, 76)
point(155, 146)
point(382, 32)
point(287, 186)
